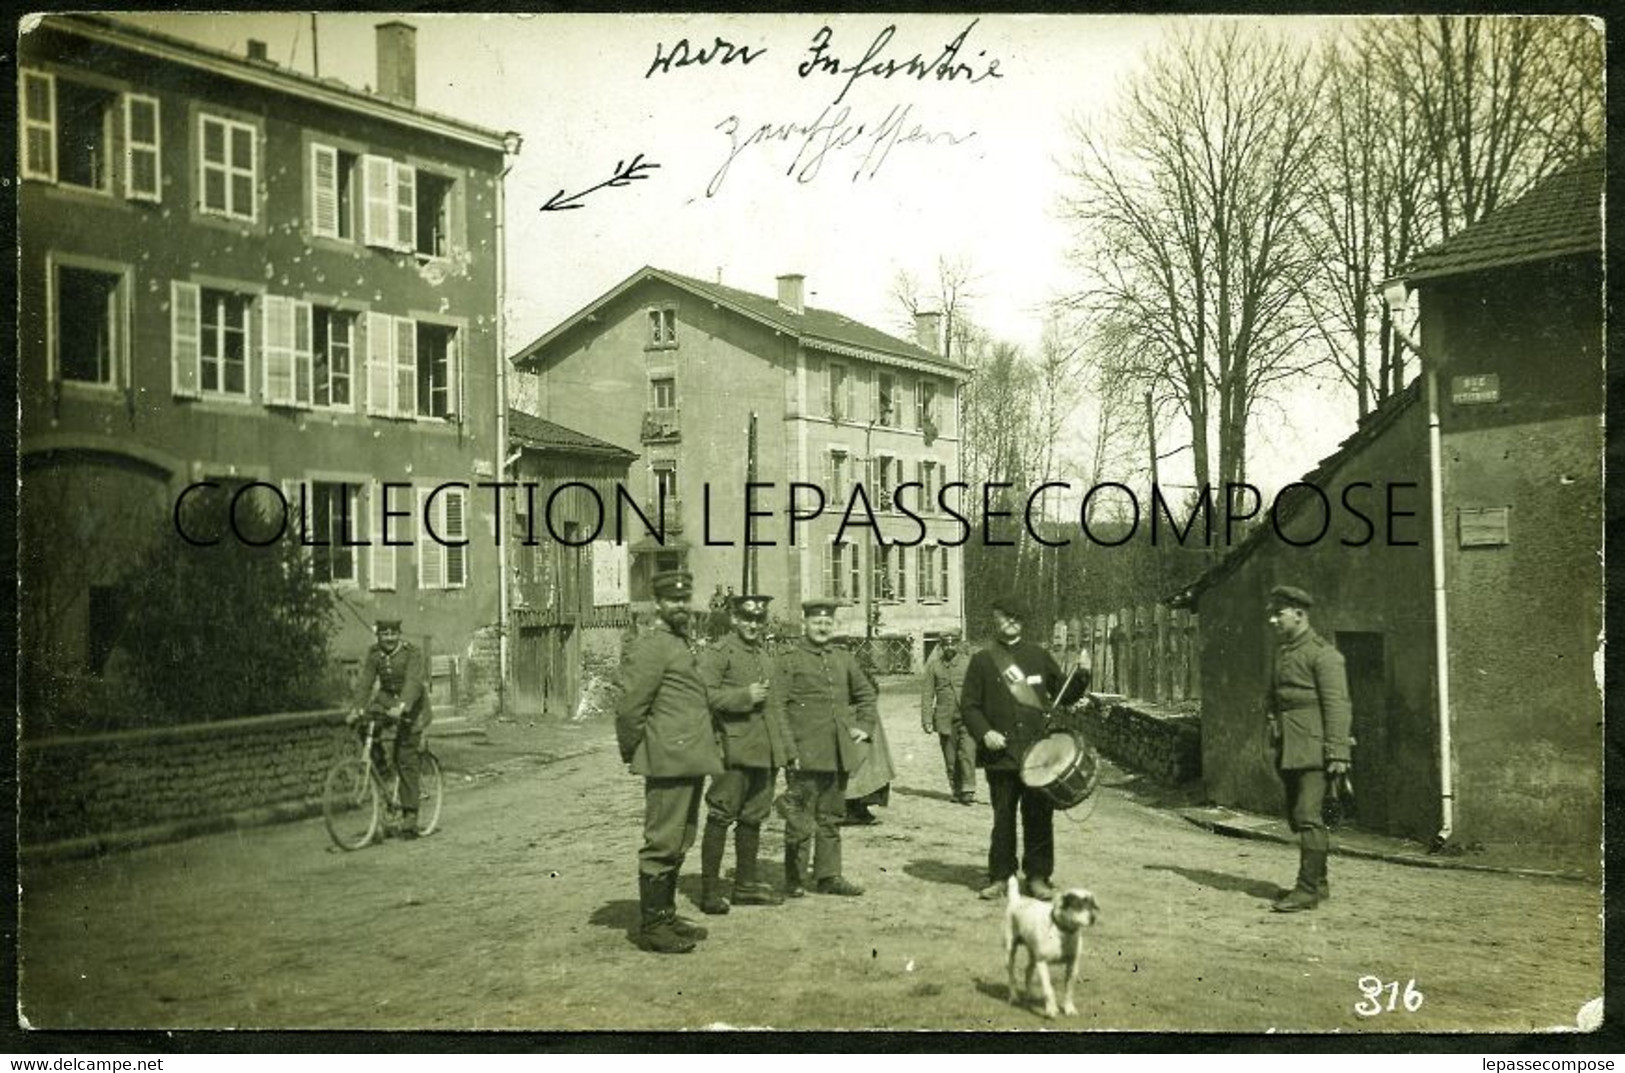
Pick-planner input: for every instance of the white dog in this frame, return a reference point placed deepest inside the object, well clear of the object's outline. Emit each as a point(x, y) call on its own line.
point(1050, 932)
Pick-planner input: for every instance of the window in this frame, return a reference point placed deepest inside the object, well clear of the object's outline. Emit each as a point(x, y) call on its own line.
point(392, 366)
point(84, 122)
point(381, 555)
point(925, 557)
point(227, 167)
point(930, 482)
point(925, 399)
point(141, 148)
point(840, 392)
point(332, 515)
point(333, 333)
point(208, 340)
point(433, 211)
point(443, 562)
point(665, 485)
point(836, 474)
point(286, 355)
point(842, 572)
point(39, 126)
point(664, 390)
point(663, 327)
point(885, 478)
point(901, 591)
point(886, 408)
point(890, 577)
point(88, 320)
point(390, 205)
point(332, 192)
point(437, 386)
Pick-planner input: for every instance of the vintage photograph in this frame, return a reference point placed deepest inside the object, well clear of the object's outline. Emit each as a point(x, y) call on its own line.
point(953, 522)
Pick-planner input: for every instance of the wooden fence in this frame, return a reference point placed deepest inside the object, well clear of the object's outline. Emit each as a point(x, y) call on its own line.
point(1145, 652)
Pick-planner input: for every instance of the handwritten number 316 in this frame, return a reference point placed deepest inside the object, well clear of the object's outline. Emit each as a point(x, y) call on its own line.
point(1373, 988)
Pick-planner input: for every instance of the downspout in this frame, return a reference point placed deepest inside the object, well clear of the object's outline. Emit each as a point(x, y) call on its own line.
point(510, 148)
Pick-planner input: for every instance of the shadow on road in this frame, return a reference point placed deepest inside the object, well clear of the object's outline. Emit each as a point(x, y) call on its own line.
point(911, 791)
point(621, 915)
point(1256, 888)
point(955, 875)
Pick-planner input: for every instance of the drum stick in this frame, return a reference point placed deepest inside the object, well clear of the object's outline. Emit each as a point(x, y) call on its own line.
point(1055, 704)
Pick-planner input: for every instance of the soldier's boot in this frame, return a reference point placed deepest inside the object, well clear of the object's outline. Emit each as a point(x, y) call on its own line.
point(712, 847)
point(748, 888)
point(1323, 885)
point(1302, 895)
point(655, 933)
point(795, 869)
point(681, 925)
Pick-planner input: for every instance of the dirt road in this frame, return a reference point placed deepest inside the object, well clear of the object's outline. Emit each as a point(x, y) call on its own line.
point(516, 916)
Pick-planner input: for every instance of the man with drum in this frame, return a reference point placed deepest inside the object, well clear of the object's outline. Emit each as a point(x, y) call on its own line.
point(1005, 703)
point(939, 714)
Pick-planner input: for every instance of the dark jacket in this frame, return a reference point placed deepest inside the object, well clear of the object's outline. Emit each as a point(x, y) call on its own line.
point(1308, 704)
point(402, 676)
point(820, 693)
point(986, 704)
point(751, 735)
point(939, 693)
point(662, 718)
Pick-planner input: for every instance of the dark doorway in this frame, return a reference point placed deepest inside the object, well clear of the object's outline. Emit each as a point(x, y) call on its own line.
point(1368, 696)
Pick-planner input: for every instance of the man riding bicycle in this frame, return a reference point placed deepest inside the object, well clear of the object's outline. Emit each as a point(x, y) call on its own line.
point(400, 671)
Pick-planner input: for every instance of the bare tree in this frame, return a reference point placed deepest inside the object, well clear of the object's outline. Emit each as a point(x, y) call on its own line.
point(952, 294)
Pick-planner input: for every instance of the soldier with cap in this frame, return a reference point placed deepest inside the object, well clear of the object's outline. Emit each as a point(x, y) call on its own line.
point(663, 728)
point(823, 697)
point(1009, 686)
point(737, 671)
point(939, 714)
point(1309, 717)
point(394, 687)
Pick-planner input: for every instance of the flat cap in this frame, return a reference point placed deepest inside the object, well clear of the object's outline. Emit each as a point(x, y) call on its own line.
point(751, 608)
point(821, 605)
point(673, 585)
point(1290, 596)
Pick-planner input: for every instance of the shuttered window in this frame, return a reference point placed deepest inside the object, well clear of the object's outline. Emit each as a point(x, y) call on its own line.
point(142, 152)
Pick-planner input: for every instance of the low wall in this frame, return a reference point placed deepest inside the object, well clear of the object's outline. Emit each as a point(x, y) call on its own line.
point(1163, 745)
point(103, 789)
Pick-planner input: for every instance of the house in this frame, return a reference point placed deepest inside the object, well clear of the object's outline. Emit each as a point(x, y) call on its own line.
point(569, 592)
point(676, 368)
point(1474, 672)
point(234, 272)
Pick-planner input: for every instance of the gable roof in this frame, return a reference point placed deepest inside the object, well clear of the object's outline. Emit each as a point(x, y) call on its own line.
point(819, 329)
point(1375, 424)
point(528, 430)
point(1560, 216)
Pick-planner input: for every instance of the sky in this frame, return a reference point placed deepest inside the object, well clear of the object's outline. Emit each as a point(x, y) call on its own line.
point(895, 174)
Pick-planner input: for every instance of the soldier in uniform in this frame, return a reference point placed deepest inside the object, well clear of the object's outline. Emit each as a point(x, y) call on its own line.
point(1309, 716)
point(939, 715)
point(737, 671)
point(663, 728)
point(827, 703)
point(400, 672)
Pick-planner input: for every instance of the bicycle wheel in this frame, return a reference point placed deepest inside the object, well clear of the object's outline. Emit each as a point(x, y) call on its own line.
point(431, 792)
point(350, 803)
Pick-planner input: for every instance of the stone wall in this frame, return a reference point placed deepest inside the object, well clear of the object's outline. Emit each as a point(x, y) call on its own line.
point(1166, 746)
point(132, 786)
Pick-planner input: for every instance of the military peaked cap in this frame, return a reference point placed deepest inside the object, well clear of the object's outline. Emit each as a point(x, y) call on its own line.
point(820, 606)
point(674, 585)
point(387, 624)
point(751, 608)
point(1290, 596)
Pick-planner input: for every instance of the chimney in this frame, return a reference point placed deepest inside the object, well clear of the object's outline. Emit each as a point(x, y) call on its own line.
point(790, 291)
point(397, 62)
point(928, 331)
point(256, 51)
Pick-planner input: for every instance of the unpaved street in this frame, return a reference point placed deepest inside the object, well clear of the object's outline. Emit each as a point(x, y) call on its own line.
point(516, 916)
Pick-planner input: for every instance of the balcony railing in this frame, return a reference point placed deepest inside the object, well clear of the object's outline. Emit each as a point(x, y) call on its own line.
point(660, 425)
point(674, 513)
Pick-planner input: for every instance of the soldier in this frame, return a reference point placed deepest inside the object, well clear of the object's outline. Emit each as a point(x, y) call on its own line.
point(400, 671)
point(827, 703)
point(939, 715)
point(1309, 716)
point(737, 671)
point(663, 728)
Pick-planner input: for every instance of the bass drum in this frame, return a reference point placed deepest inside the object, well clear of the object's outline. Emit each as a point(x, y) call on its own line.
point(1063, 767)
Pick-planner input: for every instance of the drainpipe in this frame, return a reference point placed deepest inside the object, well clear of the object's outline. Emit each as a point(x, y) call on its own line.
point(1396, 293)
point(511, 143)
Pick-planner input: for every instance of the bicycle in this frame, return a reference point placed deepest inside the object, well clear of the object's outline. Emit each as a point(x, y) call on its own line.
point(361, 796)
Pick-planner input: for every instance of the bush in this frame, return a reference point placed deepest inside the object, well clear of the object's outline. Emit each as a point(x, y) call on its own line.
point(228, 629)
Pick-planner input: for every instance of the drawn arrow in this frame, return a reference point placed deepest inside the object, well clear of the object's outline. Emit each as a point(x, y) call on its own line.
point(625, 173)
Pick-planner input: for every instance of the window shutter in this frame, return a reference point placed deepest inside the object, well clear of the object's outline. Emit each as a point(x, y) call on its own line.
point(324, 191)
point(185, 347)
point(304, 354)
point(406, 367)
point(39, 126)
point(828, 561)
point(903, 405)
point(406, 207)
point(819, 397)
point(380, 559)
point(874, 395)
point(454, 383)
point(276, 350)
point(456, 556)
point(431, 553)
point(922, 570)
point(378, 185)
point(943, 592)
point(141, 152)
point(380, 374)
point(902, 572)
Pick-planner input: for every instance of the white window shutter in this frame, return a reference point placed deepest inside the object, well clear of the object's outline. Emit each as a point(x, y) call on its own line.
point(922, 572)
point(304, 354)
point(39, 126)
point(406, 207)
point(431, 553)
point(324, 191)
point(902, 572)
point(276, 350)
point(141, 149)
point(380, 558)
point(454, 382)
point(378, 185)
point(874, 395)
point(380, 367)
point(406, 367)
point(455, 507)
point(185, 344)
point(829, 565)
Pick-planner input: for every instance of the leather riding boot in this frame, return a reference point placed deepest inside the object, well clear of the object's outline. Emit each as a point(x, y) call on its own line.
point(1323, 885)
point(712, 847)
point(655, 933)
point(795, 869)
point(748, 890)
point(1302, 895)
point(681, 925)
